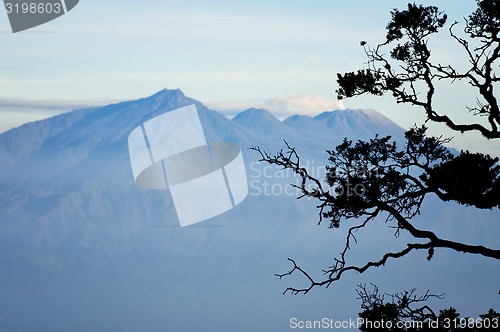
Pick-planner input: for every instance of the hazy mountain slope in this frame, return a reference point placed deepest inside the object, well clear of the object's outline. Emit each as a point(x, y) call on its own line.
point(82, 248)
point(360, 124)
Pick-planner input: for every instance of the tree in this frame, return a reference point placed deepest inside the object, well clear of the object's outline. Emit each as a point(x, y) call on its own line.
point(409, 312)
point(368, 179)
point(410, 75)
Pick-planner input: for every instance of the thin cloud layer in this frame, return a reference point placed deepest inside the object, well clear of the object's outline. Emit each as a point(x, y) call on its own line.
point(282, 106)
point(44, 105)
point(308, 105)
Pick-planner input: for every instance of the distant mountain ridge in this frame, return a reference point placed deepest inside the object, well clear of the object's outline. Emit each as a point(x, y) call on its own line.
point(119, 119)
point(45, 163)
point(79, 239)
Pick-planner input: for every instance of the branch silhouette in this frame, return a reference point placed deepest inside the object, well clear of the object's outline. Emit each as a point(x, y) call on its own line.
point(368, 179)
point(410, 75)
point(365, 180)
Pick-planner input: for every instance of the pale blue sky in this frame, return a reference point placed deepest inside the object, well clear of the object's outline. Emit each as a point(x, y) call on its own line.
point(222, 53)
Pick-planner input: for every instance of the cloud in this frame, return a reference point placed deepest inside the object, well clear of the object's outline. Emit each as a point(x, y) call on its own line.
point(282, 106)
point(309, 105)
point(16, 111)
point(44, 105)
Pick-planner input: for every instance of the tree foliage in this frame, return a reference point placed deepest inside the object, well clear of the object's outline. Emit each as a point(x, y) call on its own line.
point(376, 178)
point(368, 179)
point(410, 74)
point(409, 312)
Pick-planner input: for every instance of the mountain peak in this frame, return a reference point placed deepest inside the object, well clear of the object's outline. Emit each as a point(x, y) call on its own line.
point(167, 93)
point(337, 115)
point(165, 100)
point(297, 117)
point(329, 114)
point(255, 115)
point(360, 123)
point(261, 121)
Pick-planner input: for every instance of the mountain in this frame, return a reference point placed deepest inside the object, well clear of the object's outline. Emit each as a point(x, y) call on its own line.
point(82, 248)
point(360, 124)
point(258, 119)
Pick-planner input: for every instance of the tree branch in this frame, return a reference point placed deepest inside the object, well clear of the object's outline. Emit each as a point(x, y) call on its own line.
point(394, 183)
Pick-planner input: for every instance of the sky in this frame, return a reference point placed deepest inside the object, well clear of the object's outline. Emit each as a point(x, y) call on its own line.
point(231, 55)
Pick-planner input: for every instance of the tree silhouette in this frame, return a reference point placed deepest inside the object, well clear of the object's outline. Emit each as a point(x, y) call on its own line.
point(367, 179)
point(409, 312)
point(410, 75)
